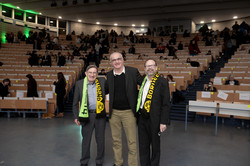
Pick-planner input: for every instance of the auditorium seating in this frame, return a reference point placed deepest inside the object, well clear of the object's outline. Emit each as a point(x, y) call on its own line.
point(16, 68)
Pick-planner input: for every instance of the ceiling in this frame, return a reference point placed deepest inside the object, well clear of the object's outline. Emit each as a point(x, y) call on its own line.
point(128, 12)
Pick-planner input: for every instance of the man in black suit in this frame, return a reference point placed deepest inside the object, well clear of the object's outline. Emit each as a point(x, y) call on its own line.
point(121, 85)
point(153, 107)
point(90, 93)
point(231, 81)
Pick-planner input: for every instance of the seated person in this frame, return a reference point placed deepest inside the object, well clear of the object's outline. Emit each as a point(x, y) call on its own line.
point(209, 87)
point(209, 52)
point(4, 87)
point(61, 60)
point(46, 59)
point(175, 57)
point(140, 57)
point(170, 78)
point(131, 50)
point(160, 49)
point(180, 46)
point(193, 63)
point(141, 40)
point(103, 72)
point(193, 48)
point(231, 81)
point(186, 34)
point(171, 50)
point(153, 44)
point(126, 41)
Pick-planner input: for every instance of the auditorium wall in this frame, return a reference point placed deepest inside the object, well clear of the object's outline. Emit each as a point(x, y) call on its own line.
point(175, 25)
point(91, 29)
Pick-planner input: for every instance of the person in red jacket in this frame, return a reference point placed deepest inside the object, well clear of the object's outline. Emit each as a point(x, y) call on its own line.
point(193, 48)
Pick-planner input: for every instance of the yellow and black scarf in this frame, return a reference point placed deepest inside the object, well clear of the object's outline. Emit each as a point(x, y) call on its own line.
point(147, 103)
point(84, 113)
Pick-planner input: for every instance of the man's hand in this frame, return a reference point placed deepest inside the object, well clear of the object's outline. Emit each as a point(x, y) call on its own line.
point(77, 122)
point(163, 127)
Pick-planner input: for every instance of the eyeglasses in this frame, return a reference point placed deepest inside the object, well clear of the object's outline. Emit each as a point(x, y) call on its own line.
point(118, 59)
point(149, 66)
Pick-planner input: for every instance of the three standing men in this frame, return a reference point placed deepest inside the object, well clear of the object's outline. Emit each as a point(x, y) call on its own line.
point(121, 85)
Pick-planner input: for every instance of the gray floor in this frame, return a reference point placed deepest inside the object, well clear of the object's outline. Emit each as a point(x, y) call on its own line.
point(57, 142)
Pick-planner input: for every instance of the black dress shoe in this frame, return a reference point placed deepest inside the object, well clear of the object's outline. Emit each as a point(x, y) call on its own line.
point(84, 164)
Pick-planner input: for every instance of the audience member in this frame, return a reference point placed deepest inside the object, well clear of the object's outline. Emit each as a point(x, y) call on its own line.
point(231, 81)
point(60, 93)
point(160, 49)
point(153, 44)
point(193, 48)
point(180, 46)
point(61, 60)
point(140, 57)
point(209, 87)
point(103, 72)
point(4, 87)
point(31, 86)
point(46, 60)
point(193, 63)
point(33, 59)
point(186, 34)
point(131, 50)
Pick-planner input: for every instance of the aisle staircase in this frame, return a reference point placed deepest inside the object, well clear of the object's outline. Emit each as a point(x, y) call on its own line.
point(178, 110)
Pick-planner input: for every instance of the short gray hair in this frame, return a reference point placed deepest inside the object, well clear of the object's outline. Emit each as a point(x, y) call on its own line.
point(92, 66)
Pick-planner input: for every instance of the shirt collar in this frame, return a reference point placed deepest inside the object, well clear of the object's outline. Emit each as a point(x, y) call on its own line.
point(123, 71)
point(90, 83)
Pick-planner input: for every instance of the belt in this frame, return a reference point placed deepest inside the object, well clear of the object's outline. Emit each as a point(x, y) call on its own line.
point(92, 111)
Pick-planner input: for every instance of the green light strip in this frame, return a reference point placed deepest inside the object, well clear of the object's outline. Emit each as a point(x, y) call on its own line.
point(14, 7)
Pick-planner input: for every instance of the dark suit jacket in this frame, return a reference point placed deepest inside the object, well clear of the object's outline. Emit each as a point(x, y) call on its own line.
point(236, 82)
point(160, 105)
point(133, 78)
point(78, 95)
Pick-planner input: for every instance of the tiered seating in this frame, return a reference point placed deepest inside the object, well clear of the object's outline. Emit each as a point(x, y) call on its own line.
point(16, 68)
point(231, 100)
point(182, 72)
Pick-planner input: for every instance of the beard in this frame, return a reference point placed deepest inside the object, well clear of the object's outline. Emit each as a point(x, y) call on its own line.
point(150, 72)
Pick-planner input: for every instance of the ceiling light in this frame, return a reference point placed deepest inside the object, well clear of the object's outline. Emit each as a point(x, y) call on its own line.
point(213, 20)
point(115, 24)
point(40, 13)
point(51, 21)
point(235, 17)
point(3, 11)
point(29, 17)
point(202, 22)
point(18, 7)
point(60, 17)
point(142, 25)
point(133, 25)
point(97, 22)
